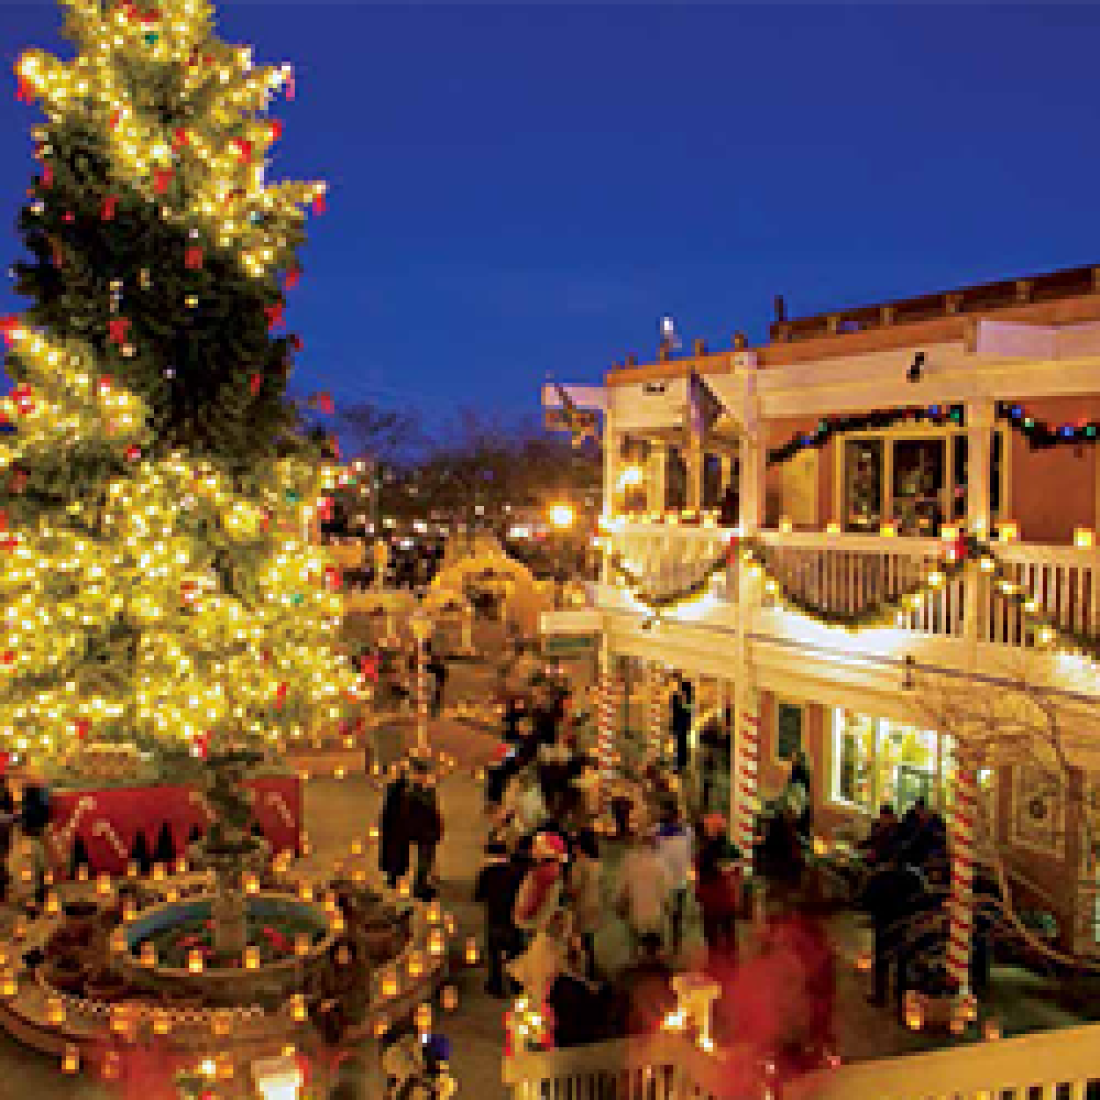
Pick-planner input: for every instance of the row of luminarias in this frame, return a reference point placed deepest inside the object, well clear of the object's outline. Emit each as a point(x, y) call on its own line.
point(390, 983)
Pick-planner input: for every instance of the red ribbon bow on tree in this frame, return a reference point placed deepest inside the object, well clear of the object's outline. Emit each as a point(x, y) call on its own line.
point(107, 212)
point(320, 203)
point(180, 138)
point(293, 277)
point(254, 383)
point(276, 129)
point(162, 177)
point(192, 257)
point(242, 147)
point(280, 695)
point(47, 175)
point(24, 90)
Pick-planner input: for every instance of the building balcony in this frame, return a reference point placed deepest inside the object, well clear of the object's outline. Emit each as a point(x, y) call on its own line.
point(823, 595)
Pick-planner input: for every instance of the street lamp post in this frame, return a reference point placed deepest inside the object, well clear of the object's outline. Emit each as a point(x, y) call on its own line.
point(421, 627)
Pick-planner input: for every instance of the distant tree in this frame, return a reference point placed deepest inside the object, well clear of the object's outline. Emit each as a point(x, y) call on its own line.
point(383, 435)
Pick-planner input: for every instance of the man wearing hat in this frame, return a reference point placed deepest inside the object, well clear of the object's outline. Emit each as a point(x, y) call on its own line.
point(538, 914)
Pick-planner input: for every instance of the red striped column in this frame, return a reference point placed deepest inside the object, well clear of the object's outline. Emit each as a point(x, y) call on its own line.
point(746, 778)
point(607, 722)
point(960, 905)
point(656, 711)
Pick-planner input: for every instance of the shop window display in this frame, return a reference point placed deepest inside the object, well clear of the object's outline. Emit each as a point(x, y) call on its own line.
point(877, 760)
point(919, 479)
point(863, 484)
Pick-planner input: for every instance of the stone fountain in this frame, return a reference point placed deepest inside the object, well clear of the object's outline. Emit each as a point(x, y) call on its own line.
point(229, 850)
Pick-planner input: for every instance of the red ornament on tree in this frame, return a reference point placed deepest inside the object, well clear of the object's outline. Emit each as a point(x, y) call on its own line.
point(24, 90)
point(192, 257)
point(280, 695)
point(104, 385)
point(290, 87)
point(81, 727)
point(110, 204)
point(324, 402)
point(242, 147)
point(293, 277)
point(276, 129)
point(9, 325)
point(24, 399)
point(116, 116)
point(68, 217)
point(117, 329)
point(255, 382)
point(334, 579)
point(180, 138)
point(274, 315)
point(47, 175)
point(133, 452)
point(9, 657)
point(320, 203)
point(162, 177)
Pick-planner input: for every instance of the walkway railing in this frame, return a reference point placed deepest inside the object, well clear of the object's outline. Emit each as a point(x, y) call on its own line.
point(1050, 1065)
point(850, 573)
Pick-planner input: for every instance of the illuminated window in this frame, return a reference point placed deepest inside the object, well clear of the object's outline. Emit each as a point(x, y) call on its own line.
point(876, 760)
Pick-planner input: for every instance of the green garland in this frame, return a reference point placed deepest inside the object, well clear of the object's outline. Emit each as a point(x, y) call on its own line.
point(969, 552)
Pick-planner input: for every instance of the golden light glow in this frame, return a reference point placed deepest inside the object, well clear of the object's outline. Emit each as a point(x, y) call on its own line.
point(245, 649)
point(561, 516)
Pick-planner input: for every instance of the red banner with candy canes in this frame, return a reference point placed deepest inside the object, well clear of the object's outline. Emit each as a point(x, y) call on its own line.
point(108, 822)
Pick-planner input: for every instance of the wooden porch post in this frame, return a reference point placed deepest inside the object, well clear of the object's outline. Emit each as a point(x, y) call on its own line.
point(694, 456)
point(611, 445)
point(979, 521)
point(657, 479)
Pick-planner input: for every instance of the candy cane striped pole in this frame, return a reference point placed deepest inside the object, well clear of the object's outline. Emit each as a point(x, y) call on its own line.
point(607, 721)
point(746, 774)
point(656, 711)
point(960, 906)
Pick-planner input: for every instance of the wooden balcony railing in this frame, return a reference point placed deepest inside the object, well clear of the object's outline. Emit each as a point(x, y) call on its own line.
point(1051, 1065)
point(848, 574)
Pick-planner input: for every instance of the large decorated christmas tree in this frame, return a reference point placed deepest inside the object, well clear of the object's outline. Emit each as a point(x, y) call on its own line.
point(156, 580)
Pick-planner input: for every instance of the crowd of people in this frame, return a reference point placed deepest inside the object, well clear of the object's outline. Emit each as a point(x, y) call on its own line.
point(571, 873)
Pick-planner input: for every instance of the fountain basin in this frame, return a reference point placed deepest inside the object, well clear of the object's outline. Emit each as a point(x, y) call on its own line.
point(226, 981)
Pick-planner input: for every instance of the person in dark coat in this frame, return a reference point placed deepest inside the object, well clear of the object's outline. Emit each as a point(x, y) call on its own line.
point(680, 721)
point(892, 895)
point(425, 827)
point(437, 669)
point(717, 888)
point(393, 840)
point(495, 888)
point(7, 827)
point(729, 510)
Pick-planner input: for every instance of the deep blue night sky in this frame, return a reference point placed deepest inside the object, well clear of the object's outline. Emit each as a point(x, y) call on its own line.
point(523, 189)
